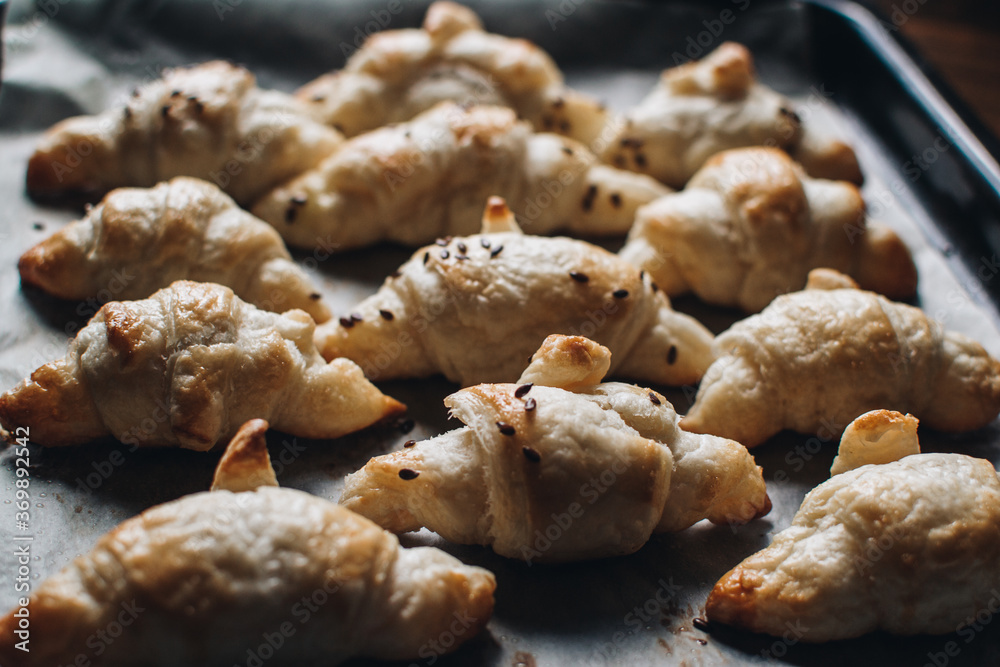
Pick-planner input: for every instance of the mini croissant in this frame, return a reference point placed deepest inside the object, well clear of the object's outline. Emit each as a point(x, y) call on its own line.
point(186, 367)
point(137, 241)
point(908, 546)
point(475, 307)
point(400, 73)
point(821, 357)
point(751, 225)
point(249, 569)
point(560, 466)
point(429, 177)
point(712, 105)
point(209, 121)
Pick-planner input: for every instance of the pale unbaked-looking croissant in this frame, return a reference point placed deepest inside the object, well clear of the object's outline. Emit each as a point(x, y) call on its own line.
point(560, 467)
point(821, 357)
point(210, 121)
point(906, 546)
point(714, 104)
point(209, 578)
point(137, 241)
point(430, 176)
point(751, 225)
point(400, 73)
point(475, 307)
point(186, 367)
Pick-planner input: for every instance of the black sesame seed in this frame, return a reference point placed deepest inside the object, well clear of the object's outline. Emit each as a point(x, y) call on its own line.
point(192, 98)
point(642, 275)
point(386, 314)
point(672, 355)
point(620, 293)
point(530, 404)
point(484, 242)
point(579, 277)
point(164, 110)
point(290, 214)
point(318, 98)
point(37, 226)
point(654, 287)
point(407, 474)
point(175, 93)
point(346, 322)
point(427, 256)
point(564, 126)
point(338, 127)
point(567, 150)
point(640, 160)
point(298, 200)
point(654, 398)
point(495, 251)
point(409, 443)
point(558, 103)
point(127, 113)
point(315, 296)
point(523, 390)
point(199, 106)
point(406, 425)
point(506, 429)
point(445, 254)
point(531, 454)
point(616, 200)
point(701, 624)
point(461, 247)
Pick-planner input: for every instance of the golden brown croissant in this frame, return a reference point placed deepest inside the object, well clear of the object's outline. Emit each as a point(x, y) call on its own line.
point(210, 121)
point(186, 367)
point(751, 225)
point(821, 357)
point(475, 307)
point(560, 466)
point(137, 241)
point(429, 177)
point(398, 74)
point(906, 546)
point(249, 569)
point(711, 105)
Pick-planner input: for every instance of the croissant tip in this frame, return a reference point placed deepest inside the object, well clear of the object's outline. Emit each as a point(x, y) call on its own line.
point(246, 464)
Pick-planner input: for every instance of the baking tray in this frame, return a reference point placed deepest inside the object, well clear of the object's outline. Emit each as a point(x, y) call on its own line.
point(847, 68)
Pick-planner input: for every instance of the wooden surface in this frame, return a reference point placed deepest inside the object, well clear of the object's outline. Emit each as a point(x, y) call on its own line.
point(961, 40)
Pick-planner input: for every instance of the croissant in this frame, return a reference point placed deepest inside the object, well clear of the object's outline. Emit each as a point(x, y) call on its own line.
point(138, 241)
point(704, 107)
point(429, 177)
point(209, 121)
point(560, 467)
point(186, 367)
point(751, 225)
point(399, 73)
point(474, 308)
point(239, 575)
point(816, 359)
point(908, 546)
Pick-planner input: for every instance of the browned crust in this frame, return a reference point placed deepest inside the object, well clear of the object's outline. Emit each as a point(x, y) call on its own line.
point(246, 465)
